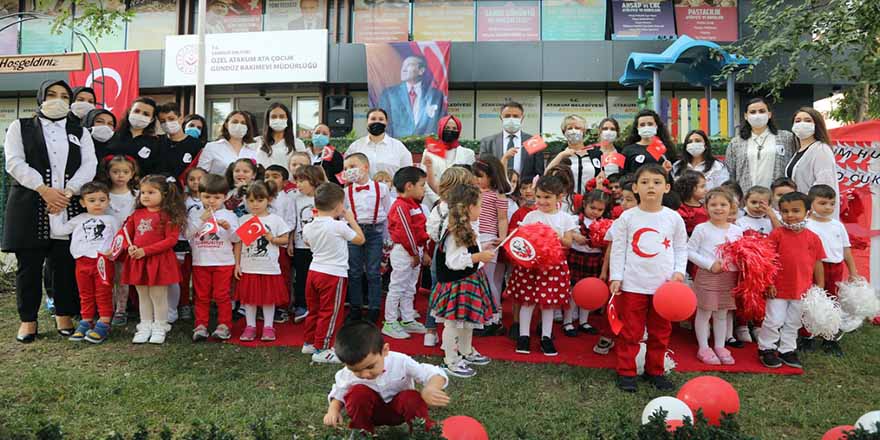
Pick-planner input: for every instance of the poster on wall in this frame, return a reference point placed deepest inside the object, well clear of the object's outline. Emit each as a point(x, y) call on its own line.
point(707, 20)
point(295, 15)
point(642, 20)
point(360, 105)
point(8, 113)
point(489, 104)
point(114, 39)
point(451, 20)
point(508, 20)
point(152, 21)
point(556, 105)
point(381, 22)
point(573, 20)
point(9, 37)
point(410, 81)
point(461, 104)
point(37, 36)
point(234, 16)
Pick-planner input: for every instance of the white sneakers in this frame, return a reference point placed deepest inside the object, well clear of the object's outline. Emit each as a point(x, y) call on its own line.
point(160, 329)
point(308, 349)
point(413, 327)
point(431, 339)
point(394, 330)
point(327, 356)
point(143, 333)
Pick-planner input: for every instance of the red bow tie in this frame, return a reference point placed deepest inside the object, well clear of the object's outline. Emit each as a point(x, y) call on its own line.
point(362, 188)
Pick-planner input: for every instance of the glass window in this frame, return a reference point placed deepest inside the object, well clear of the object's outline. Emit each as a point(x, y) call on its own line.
point(37, 36)
point(381, 22)
point(567, 20)
point(217, 112)
point(308, 115)
point(9, 37)
point(508, 20)
point(283, 15)
point(152, 21)
point(112, 39)
point(443, 20)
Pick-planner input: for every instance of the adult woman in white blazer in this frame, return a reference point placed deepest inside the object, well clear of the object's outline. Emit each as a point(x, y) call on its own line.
point(236, 142)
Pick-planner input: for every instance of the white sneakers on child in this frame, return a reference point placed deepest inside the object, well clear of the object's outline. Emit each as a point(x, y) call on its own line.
point(413, 327)
point(160, 329)
point(394, 330)
point(308, 349)
point(143, 333)
point(742, 333)
point(431, 340)
point(327, 356)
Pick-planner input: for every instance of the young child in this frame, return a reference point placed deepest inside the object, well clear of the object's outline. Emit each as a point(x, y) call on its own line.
point(377, 385)
point(492, 181)
point(384, 177)
point(460, 299)
point(800, 266)
point(780, 187)
point(239, 175)
point(757, 215)
point(614, 182)
point(835, 243)
point(297, 159)
point(91, 235)
point(283, 206)
point(369, 202)
point(406, 223)
point(154, 228)
point(515, 196)
point(649, 247)
point(548, 287)
point(256, 265)
point(326, 282)
point(179, 302)
point(584, 261)
point(308, 178)
point(691, 187)
point(119, 173)
point(714, 280)
point(212, 257)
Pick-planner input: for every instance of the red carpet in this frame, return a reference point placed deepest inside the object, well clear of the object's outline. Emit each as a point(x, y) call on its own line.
point(576, 351)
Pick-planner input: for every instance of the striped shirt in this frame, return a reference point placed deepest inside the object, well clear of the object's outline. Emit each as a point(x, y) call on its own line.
point(492, 203)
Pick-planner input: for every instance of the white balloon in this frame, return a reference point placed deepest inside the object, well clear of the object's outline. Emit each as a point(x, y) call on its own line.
point(675, 409)
point(868, 421)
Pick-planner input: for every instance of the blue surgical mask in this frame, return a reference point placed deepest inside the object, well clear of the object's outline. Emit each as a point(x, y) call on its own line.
point(193, 132)
point(320, 140)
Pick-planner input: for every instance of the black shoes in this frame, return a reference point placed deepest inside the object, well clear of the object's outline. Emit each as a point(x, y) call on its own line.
point(832, 348)
point(547, 347)
point(735, 343)
point(769, 358)
point(627, 384)
point(569, 331)
point(791, 359)
point(522, 345)
point(513, 332)
point(660, 382)
point(490, 330)
point(806, 345)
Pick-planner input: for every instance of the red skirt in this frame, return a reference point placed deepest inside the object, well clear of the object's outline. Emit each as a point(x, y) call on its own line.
point(155, 270)
point(550, 288)
point(255, 289)
point(583, 265)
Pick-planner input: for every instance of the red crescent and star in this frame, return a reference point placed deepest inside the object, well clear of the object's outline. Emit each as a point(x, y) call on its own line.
point(638, 236)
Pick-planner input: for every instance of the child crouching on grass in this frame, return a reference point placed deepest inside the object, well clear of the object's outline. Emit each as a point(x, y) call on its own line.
point(377, 385)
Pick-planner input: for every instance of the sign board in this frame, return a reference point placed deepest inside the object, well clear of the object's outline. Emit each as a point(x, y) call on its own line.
point(41, 63)
point(248, 58)
point(559, 104)
point(488, 112)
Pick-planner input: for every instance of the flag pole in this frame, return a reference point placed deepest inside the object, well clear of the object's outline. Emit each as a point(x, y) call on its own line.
point(200, 65)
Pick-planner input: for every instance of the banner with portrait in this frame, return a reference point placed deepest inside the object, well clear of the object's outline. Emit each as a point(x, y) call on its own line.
point(295, 15)
point(712, 20)
point(410, 81)
point(227, 16)
point(642, 20)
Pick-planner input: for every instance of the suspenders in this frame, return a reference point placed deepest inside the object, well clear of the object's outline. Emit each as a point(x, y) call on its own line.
point(354, 208)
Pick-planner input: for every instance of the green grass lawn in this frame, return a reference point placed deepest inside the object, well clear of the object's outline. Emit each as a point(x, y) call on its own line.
point(93, 390)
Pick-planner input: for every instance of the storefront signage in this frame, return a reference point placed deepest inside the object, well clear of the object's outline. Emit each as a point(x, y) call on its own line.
point(559, 104)
point(642, 20)
point(713, 21)
point(41, 63)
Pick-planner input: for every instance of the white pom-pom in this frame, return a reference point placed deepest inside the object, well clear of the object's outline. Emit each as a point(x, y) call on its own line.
point(858, 299)
point(820, 314)
point(668, 363)
point(850, 323)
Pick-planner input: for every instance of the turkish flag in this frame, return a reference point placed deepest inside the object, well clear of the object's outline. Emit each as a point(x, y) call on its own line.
point(656, 149)
point(102, 270)
point(613, 158)
point(613, 320)
point(209, 227)
point(114, 78)
point(535, 144)
point(327, 153)
point(119, 245)
point(435, 147)
point(250, 230)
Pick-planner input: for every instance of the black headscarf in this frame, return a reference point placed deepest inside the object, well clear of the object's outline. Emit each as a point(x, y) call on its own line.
point(78, 90)
point(89, 120)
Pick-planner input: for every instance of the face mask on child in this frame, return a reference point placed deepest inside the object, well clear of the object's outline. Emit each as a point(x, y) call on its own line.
point(796, 227)
point(352, 175)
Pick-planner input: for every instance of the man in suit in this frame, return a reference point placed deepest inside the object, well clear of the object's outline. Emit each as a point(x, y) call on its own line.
point(310, 17)
point(415, 108)
point(511, 137)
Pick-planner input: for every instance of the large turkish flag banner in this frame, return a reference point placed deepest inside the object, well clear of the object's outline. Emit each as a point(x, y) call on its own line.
point(116, 74)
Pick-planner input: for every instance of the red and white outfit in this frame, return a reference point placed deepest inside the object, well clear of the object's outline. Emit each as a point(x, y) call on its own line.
point(261, 282)
point(369, 202)
point(284, 206)
point(154, 232)
point(835, 240)
point(90, 235)
point(647, 249)
point(490, 205)
point(121, 206)
point(548, 288)
point(327, 280)
point(713, 290)
point(391, 398)
point(407, 226)
point(213, 266)
point(798, 254)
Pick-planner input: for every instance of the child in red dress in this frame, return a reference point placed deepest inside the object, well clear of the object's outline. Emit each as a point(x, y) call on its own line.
point(151, 265)
point(691, 187)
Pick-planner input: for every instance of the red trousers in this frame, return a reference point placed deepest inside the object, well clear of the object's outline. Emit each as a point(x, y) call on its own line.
point(834, 273)
point(213, 283)
point(636, 311)
point(185, 277)
point(366, 409)
point(325, 296)
point(93, 293)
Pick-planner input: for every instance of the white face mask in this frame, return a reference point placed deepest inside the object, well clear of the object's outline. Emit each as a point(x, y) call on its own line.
point(574, 136)
point(81, 108)
point(102, 133)
point(648, 131)
point(608, 135)
point(696, 148)
point(758, 120)
point(278, 124)
point(171, 127)
point(803, 130)
point(352, 175)
point(511, 125)
point(139, 121)
point(54, 108)
point(611, 168)
point(237, 130)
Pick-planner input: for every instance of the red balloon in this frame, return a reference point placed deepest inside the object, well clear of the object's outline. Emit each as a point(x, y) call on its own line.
point(463, 428)
point(711, 394)
point(675, 301)
point(672, 425)
point(590, 293)
point(837, 432)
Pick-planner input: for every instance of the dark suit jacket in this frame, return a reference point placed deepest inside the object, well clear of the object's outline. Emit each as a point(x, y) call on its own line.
point(496, 145)
point(395, 101)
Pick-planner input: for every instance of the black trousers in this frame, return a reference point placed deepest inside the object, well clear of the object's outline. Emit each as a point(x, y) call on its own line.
point(29, 280)
point(302, 259)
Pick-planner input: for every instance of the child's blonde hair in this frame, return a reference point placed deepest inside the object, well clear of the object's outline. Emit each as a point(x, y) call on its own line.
point(451, 178)
point(382, 176)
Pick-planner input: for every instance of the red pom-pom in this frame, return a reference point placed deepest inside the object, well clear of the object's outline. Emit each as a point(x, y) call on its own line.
point(757, 261)
point(598, 229)
point(532, 247)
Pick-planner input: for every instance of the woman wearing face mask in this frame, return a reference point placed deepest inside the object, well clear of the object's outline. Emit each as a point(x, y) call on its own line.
point(236, 142)
point(48, 158)
point(194, 127)
point(183, 151)
point(384, 152)
point(448, 132)
point(332, 163)
point(697, 156)
point(814, 161)
point(759, 152)
point(83, 102)
point(279, 140)
point(585, 161)
point(137, 137)
point(102, 124)
point(647, 125)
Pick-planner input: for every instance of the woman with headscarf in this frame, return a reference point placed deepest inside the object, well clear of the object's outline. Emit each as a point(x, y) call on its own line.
point(83, 102)
point(448, 133)
point(48, 158)
point(102, 125)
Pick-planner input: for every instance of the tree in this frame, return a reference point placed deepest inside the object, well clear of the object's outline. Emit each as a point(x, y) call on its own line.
point(837, 39)
point(95, 18)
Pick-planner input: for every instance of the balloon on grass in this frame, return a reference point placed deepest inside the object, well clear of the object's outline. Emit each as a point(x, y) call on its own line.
point(837, 432)
point(711, 394)
point(675, 409)
point(590, 293)
point(463, 428)
point(869, 421)
point(675, 301)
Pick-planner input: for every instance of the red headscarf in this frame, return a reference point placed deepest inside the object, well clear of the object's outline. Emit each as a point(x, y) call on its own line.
point(440, 126)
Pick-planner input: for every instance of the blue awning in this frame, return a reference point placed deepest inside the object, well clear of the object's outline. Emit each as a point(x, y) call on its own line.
point(698, 61)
